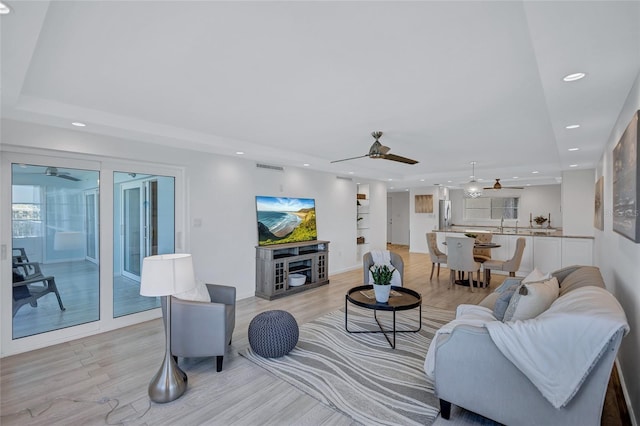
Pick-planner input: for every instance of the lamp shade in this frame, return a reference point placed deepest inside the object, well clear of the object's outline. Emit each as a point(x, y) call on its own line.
point(472, 190)
point(167, 274)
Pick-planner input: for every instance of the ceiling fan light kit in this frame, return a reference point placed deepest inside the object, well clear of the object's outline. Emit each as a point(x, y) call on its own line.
point(498, 186)
point(472, 189)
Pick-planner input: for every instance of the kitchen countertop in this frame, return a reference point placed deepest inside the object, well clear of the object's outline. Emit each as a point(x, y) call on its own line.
point(535, 232)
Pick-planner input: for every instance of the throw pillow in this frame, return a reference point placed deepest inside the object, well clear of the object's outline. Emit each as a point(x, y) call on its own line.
point(535, 276)
point(531, 299)
point(502, 302)
point(197, 294)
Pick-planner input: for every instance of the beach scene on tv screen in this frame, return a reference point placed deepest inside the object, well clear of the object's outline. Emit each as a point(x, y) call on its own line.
point(285, 220)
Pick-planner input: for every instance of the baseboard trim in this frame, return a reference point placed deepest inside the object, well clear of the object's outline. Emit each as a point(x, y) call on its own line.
point(627, 399)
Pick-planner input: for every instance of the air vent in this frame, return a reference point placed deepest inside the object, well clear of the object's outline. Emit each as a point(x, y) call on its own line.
point(344, 178)
point(270, 167)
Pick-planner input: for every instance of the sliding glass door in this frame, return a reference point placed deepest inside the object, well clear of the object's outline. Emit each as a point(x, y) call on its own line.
point(55, 278)
point(144, 225)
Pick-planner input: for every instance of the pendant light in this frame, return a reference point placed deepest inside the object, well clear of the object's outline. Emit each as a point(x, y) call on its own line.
point(473, 189)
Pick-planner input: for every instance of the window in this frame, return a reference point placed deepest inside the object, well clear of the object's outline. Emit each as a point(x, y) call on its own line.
point(491, 208)
point(26, 211)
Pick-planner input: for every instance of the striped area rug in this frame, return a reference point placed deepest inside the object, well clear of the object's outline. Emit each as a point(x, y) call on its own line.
point(359, 374)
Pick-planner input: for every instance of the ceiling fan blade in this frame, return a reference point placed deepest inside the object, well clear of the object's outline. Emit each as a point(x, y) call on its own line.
point(398, 158)
point(68, 177)
point(384, 149)
point(352, 158)
point(503, 187)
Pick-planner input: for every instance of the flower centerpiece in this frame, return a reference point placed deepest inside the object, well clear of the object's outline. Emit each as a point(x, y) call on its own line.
point(540, 220)
point(381, 275)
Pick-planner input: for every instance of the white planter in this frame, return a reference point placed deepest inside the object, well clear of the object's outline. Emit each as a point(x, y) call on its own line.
point(382, 293)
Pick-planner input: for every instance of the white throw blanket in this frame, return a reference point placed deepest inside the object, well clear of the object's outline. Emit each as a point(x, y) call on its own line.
point(557, 349)
point(381, 258)
point(474, 315)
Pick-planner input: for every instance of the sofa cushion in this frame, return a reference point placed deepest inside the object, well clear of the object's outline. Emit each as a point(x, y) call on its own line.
point(581, 277)
point(531, 299)
point(197, 294)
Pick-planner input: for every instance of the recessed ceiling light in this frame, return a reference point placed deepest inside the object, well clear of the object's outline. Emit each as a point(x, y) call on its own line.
point(528, 184)
point(574, 77)
point(573, 165)
point(306, 164)
point(574, 149)
point(449, 181)
point(351, 173)
point(78, 124)
point(421, 180)
point(240, 152)
point(572, 126)
point(535, 172)
point(515, 177)
point(391, 187)
point(407, 189)
point(389, 180)
point(4, 9)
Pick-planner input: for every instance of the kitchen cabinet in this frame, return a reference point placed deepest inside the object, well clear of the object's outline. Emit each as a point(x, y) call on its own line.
point(547, 253)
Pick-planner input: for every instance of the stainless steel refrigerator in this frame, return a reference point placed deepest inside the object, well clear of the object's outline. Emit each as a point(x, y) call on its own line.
point(444, 214)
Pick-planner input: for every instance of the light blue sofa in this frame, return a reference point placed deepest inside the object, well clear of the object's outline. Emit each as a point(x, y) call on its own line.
point(472, 373)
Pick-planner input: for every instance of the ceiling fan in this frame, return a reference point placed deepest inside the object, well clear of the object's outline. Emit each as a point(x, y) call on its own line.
point(378, 150)
point(498, 185)
point(53, 171)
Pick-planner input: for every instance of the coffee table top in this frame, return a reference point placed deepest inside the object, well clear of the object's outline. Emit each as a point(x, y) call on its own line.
point(404, 299)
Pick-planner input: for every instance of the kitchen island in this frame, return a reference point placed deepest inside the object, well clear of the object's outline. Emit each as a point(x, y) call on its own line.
point(545, 249)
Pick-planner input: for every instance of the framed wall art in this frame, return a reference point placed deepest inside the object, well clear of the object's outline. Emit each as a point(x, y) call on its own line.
point(626, 185)
point(598, 214)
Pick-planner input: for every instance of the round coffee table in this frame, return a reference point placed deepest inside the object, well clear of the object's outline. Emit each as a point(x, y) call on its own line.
point(401, 299)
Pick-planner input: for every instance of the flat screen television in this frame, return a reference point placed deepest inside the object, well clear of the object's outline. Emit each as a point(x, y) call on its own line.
point(285, 220)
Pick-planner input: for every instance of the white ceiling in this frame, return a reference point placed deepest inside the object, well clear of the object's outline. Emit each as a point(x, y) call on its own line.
point(307, 82)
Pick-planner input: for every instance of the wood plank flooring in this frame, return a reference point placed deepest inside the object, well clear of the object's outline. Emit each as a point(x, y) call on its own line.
point(86, 380)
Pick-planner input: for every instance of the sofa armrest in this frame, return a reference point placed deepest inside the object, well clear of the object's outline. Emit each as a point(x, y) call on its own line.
point(472, 373)
point(222, 294)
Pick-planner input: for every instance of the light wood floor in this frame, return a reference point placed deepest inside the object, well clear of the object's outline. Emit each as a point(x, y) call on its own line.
point(80, 382)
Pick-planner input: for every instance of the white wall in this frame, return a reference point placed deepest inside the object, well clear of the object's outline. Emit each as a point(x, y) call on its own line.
point(218, 193)
point(619, 261)
point(400, 217)
point(223, 192)
point(534, 200)
point(421, 223)
point(578, 202)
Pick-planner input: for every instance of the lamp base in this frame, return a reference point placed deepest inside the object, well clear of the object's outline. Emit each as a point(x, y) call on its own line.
point(169, 383)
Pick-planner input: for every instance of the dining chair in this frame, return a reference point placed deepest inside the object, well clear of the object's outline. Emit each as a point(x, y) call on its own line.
point(434, 253)
point(511, 265)
point(482, 254)
point(460, 258)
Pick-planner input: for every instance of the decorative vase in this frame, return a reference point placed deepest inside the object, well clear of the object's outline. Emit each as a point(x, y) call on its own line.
point(382, 292)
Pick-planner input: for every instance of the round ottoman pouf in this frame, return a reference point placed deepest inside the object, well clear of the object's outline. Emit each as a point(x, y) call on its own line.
point(273, 334)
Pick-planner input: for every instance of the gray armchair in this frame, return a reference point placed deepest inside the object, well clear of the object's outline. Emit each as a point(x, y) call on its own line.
point(367, 262)
point(201, 329)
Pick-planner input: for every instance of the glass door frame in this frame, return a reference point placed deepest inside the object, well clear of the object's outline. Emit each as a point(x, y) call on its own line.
point(106, 167)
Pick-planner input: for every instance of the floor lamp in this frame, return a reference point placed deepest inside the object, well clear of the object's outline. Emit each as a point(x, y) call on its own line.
point(165, 275)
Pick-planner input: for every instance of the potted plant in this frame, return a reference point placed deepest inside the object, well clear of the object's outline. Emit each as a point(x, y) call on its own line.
point(539, 220)
point(382, 282)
